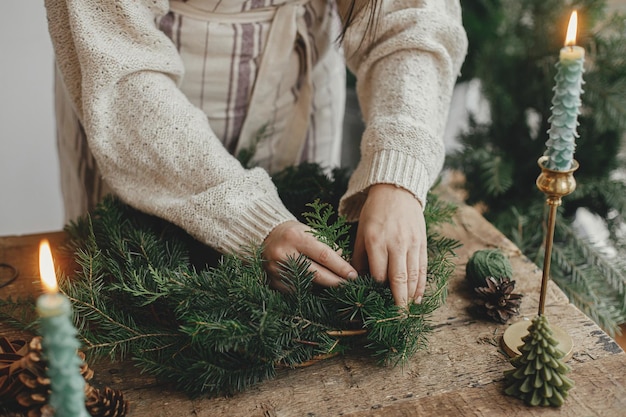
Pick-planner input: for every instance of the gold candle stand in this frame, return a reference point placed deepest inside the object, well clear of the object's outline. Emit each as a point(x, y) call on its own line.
point(555, 185)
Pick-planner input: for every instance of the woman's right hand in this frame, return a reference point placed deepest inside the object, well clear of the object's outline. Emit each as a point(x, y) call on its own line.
point(293, 238)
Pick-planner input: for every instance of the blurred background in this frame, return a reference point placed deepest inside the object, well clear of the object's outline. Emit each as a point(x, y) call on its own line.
point(30, 195)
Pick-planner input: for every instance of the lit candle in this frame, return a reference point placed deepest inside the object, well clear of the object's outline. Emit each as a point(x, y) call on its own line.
point(566, 102)
point(59, 343)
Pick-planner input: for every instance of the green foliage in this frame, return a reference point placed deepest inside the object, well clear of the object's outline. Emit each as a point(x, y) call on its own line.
point(515, 62)
point(332, 233)
point(594, 283)
point(144, 290)
point(480, 19)
point(18, 313)
point(299, 185)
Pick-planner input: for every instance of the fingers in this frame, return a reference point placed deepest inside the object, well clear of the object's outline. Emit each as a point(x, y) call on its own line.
point(397, 255)
point(399, 279)
point(422, 273)
point(391, 240)
point(323, 276)
point(331, 268)
point(403, 267)
point(417, 266)
point(377, 256)
point(406, 275)
point(293, 238)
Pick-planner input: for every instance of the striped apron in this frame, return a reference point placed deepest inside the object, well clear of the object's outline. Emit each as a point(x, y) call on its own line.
point(269, 75)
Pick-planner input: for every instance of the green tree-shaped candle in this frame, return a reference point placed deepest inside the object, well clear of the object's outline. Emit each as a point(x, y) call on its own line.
point(539, 375)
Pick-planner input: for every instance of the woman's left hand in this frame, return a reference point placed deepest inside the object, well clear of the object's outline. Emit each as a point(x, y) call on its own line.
point(391, 242)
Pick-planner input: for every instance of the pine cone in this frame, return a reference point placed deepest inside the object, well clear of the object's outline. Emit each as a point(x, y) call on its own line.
point(498, 299)
point(105, 403)
point(25, 387)
point(8, 385)
point(33, 376)
point(12, 362)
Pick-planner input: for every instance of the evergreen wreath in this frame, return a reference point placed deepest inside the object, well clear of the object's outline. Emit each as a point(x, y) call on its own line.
point(145, 290)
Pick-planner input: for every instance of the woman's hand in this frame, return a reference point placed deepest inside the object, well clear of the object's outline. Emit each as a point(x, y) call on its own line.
point(293, 238)
point(391, 241)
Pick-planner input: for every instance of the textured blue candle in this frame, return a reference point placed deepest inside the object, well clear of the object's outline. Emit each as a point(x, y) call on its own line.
point(565, 104)
point(60, 345)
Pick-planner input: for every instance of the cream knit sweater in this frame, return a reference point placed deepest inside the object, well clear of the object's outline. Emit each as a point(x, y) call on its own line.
point(166, 161)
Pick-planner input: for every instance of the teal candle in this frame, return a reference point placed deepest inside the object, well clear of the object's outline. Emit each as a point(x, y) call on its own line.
point(60, 344)
point(566, 102)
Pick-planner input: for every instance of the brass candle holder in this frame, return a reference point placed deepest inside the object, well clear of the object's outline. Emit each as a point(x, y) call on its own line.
point(555, 185)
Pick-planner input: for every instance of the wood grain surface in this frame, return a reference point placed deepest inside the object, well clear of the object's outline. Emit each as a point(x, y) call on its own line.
point(459, 374)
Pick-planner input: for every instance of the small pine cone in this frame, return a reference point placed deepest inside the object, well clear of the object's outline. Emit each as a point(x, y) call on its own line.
point(30, 370)
point(14, 363)
point(45, 411)
point(24, 384)
point(498, 299)
point(106, 403)
point(36, 356)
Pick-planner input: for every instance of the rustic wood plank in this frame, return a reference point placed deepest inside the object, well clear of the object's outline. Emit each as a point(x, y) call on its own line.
point(601, 396)
point(460, 373)
point(22, 252)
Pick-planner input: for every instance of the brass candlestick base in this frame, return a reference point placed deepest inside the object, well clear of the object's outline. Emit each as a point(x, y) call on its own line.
point(555, 185)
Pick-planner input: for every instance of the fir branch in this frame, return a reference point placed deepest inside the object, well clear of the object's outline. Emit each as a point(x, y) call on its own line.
point(107, 331)
point(301, 184)
point(496, 175)
point(195, 371)
point(333, 233)
point(601, 195)
point(395, 335)
point(297, 277)
point(18, 313)
point(613, 271)
point(438, 212)
point(356, 302)
point(594, 284)
point(602, 306)
point(607, 95)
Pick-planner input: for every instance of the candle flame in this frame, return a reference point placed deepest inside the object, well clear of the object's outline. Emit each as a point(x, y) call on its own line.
point(570, 38)
point(46, 267)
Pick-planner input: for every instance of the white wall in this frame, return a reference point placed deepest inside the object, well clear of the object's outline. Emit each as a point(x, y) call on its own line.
point(30, 195)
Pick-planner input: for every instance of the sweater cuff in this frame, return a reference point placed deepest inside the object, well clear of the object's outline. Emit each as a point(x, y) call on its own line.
point(251, 226)
point(384, 167)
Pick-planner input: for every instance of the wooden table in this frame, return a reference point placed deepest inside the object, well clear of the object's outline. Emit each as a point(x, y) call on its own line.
point(460, 374)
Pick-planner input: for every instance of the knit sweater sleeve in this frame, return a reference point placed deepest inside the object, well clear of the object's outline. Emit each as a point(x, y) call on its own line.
point(406, 63)
point(154, 148)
